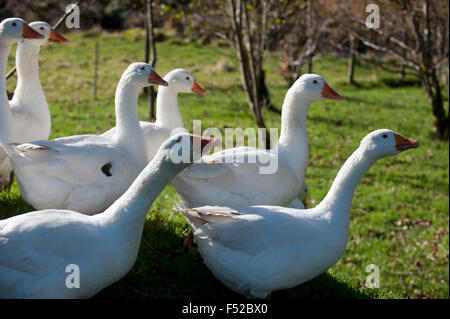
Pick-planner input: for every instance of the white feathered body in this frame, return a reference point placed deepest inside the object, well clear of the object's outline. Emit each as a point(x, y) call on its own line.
point(37, 247)
point(30, 118)
point(228, 178)
point(67, 173)
point(256, 250)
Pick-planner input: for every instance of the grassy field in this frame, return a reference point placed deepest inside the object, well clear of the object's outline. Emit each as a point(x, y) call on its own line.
point(400, 212)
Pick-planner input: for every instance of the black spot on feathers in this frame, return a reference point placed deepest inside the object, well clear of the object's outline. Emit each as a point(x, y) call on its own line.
point(106, 169)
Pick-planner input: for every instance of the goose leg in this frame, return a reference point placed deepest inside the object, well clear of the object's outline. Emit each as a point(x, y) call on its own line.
point(304, 203)
point(11, 181)
point(189, 242)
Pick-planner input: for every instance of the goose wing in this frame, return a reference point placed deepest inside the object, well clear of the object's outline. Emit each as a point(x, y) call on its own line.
point(252, 229)
point(35, 244)
point(239, 176)
point(78, 160)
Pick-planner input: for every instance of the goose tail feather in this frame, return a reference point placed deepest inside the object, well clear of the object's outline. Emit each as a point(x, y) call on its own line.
point(11, 151)
point(194, 219)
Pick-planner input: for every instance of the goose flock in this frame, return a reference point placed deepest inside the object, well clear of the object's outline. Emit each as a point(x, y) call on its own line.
point(92, 192)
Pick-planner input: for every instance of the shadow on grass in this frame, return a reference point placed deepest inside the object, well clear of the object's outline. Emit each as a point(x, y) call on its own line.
point(396, 83)
point(324, 286)
point(160, 272)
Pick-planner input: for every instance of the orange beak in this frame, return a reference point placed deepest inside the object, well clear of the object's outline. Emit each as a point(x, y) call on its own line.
point(154, 78)
point(29, 33)
point(203, 141)
point(196, 88)
point(55, 36)
point(329, 93)
point(404, 143)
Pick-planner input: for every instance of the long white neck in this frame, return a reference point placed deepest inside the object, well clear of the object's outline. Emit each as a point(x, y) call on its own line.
point(29, 94)
point(338, 201)
point(293, 142)
point(125, 218)
point(5, 111)
point(167, 113)
point(128, 133)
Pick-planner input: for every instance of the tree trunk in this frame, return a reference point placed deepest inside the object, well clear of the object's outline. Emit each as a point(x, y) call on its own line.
point(352, 59)
point(150, 58)
point(264, 94)
point(250, 67)
point(440, 119)
point(310, 35)
point(287, 67)
point(402, 63)
point(444, 75)
point(402, 70)
point(310, 63)
point(96, 69)
point(254, 104)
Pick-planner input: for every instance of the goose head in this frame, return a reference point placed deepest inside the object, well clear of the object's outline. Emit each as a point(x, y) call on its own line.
point(184, 148)
point(14, 30)
point(142, 74)
point(313, 87)
point(182, 81)
point(50, 35)
point(384, 142)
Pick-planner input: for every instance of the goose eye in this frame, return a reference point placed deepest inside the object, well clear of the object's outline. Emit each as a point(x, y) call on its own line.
point(143, 68)
point(188, 78)
point(315, 81)
point(42, 28)
point(14, 24)
point(384, 135)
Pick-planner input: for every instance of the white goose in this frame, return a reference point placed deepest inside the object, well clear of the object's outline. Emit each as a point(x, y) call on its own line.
point(258, 249)
point(12, 30)
point(228, 178)
point(168, 117)
point(36, 248)
point(30, 115)
point(29, 108)
point(86, 173)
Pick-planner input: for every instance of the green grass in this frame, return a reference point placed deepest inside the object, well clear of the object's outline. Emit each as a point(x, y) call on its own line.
point(400, 212)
